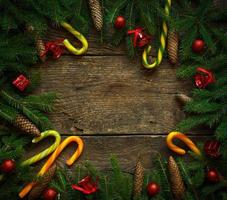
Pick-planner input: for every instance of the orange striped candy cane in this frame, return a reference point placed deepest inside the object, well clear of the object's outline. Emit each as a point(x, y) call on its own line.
point(169, 141)
point(52, 159)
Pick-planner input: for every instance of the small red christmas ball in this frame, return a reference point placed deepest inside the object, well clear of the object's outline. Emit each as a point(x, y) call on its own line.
point(50, 194)
point(153, 189)
point(212, 176)
point(119, 22)
point(198, 46)
point(8, 166)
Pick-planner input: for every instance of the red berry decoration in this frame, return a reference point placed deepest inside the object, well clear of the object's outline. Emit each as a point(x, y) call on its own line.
point(198, 46)
point(8, 166)
point(203, 78)
point(212, 148)
point(50, 194)
point(153, 189)
point(119, 22)
point(21, 82)
point(213, 176)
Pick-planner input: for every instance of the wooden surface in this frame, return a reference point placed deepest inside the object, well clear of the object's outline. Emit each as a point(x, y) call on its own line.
point(115, 104)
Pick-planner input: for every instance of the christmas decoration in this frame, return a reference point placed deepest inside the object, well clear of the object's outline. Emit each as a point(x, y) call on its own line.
point(172, 46)
point(79, 36)
point(153, 189)
point(26, 126)
point(52, 159)
point(212, 148)
point(198, 46)
point(46, 152)
point(42, 184)
point(212, 176)
point(169, 141)
point(177, 185)
point(140, 39)
point(119, 22)
point(203, 78)
point(8, 166)
point(21, 82)
point(86, 186)
point(50, 194)
point(138, 179)
point(96, 13)
point(55, 47)
point(183, 99)
point(161, 49)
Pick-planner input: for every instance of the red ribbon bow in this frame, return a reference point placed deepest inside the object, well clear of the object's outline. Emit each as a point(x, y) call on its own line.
point(86, 186)
point(140, 37)
point(203, 78)
point(55, 47)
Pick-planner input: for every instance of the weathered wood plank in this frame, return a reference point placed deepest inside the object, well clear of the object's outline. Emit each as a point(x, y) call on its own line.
point(112, 95)
point(98, 150)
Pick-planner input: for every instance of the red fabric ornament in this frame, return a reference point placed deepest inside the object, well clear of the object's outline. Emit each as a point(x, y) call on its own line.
point(140, 39)
point(153, 189)
point(86, 186)
point(212, 148)
point(203, 78)
point(198, 46)
point(21, 82)
point(119, 22)
point(50, 194)
point(8, 166)
point(212, 176)
point(56, 47)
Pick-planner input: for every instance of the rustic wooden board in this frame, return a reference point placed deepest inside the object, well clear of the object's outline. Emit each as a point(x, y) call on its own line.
point(98, 150)
point(112, 95)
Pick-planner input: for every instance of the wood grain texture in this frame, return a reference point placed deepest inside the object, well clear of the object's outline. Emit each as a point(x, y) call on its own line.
point(112, 95)
point(98, 150)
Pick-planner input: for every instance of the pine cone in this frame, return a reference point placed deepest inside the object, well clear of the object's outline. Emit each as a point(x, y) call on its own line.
point(183, 99)
point(217, 4)
point(96, 13)
point(26, 126)
point(40, 46)
point(177, 185)
point(42, 184)
point(138, 179)
point(172, 46)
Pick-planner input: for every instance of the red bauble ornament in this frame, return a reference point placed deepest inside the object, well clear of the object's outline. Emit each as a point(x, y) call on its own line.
point(21, 82)
point(212, 176)
point(140, 39)
point(198, 46)
point(56, 47)
point(50, 194)
point(86, 186)
point(119, 22)
point(8, 166)
point(212, 148)
point(203, 78)
point(153, 189)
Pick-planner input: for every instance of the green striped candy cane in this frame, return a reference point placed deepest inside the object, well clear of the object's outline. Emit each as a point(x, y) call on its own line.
point(47, 151)
point(161, 49)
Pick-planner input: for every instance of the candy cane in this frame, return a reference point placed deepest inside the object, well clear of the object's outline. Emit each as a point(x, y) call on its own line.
point(53, 157)
point(46, 152)
point(185, 139)
point(161, 49)
point(79, 36)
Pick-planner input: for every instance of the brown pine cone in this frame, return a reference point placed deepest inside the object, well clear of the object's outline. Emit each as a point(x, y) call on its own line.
point(177, 185)
point(96, 13)
point(183, 99)
point(217, 4)
point(26, 126)
point(138, 180)
point(172, 46)
point(42, 184)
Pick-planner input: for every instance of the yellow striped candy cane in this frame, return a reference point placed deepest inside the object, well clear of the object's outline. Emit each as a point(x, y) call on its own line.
point(46, 152)
point(79, 36)
point(161, 49)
